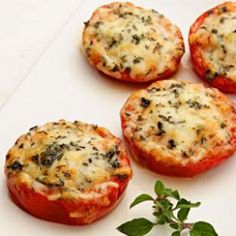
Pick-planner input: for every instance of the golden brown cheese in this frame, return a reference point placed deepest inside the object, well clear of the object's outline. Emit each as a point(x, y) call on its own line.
point(178, 121)
point(217, 39)
point(121, 37)
point(72, 157)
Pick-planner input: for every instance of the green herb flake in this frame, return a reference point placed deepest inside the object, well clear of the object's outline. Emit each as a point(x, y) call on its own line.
point(86, 23)
point(224, 9)
point(160, 127)
point(98, 24)
point(145, 102)
point(222, 125)
point(135, 39)
point(171, 144)
point(222, 20)
point(137, 60)
point(157, 48)
point(214, 31)
point(194, 104)
point(115, 68)
point(15, 166)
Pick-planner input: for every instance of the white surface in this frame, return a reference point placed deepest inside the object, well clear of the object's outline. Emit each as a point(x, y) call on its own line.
point(27, 28)
point(63, 85)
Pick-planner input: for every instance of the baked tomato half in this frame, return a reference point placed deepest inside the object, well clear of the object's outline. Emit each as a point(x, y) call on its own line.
point(212, 40)
point(131, 43)
point(70, 173)
point(179, 128)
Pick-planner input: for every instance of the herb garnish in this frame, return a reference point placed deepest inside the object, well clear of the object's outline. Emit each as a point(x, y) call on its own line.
point(52, 153)
point(121, 177)
point(178, 85)
point(145, 102)
point(209, 75)
point(194, 104)
point(147, 20)
point(222, 20)
point(137, 60)
point(161, 130)
point(223, 49)
point(112, 43)
point(86, 23)
point(135, 39)
point(166, 212)
point(125, 14)
point(157, 48)
point(98, 24)
point(112, 157)
point(35, 159)
point(115, 68)
point(171, 144)
point(222, 125)
point(214, 31)
point(15, 166)
point(224, 9)
point(112, 152)
point(33, 128)
point(166, 118)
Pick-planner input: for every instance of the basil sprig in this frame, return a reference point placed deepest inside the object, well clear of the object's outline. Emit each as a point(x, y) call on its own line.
point(168, 208)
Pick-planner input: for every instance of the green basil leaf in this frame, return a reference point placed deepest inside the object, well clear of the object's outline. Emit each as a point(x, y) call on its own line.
point(136, 227)
point(194, 233)
point(175, 194)
point(174, 226)
point(203, 229)
point(141, 198)
point(159, 187)
point(176, 233)
point(183, 203)
point(162, 218)
point(183, 214)
point(165, 204)
point(170, 193)
point(163, 211)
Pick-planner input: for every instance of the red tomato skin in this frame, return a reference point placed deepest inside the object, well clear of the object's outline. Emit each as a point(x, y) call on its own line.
point(59, 211)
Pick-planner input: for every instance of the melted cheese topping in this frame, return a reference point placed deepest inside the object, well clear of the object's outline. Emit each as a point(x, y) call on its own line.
point(123, 38)
point(178, 120)
point(77, 158)
point(217, 37)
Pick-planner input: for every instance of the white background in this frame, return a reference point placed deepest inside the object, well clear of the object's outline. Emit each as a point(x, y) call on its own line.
point(44, 77)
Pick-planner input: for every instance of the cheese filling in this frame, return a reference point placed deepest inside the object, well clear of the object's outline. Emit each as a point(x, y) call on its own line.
point(127, 38)
point(177, 119)
point(73, 157)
